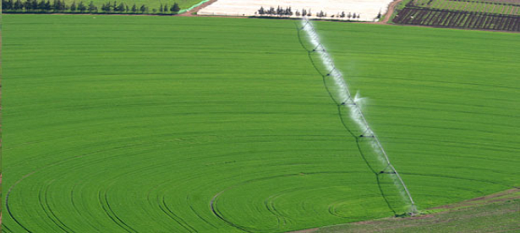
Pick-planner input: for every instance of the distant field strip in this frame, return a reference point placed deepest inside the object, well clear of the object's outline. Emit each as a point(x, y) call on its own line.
point(449, 18)
point(461, 14)
point(196, 124)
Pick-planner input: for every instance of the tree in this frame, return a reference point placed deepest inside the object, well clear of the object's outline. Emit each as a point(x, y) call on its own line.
point(354, 15)
point(161, 9)
point(143, 9)
point(134, 8)
point(379, 15)
point(27, 4)
point(304, 12)
point(9, 5)
point(288, 11)
point(342, 14)
point(34, 4)
point(41, 5)
point(64, 5)
point(349, 15)
point(121, 7)
point(4, 5)
point(271, 11)
point(297, 13)
point(321, 14)
point(175, 8)
point(59, 5)
point(18, 5)
point(165, 8)
point(81, 7)
point(261, 11)
point(92, 7)
point(106, 7)
point(73, 6)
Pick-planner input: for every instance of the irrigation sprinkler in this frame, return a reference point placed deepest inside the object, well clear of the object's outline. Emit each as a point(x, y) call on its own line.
point(345, 103)
point(367, 134)
point(359, 117)
point(306, 23)
point(330, 72)
point(383, 172)
point(316, 48)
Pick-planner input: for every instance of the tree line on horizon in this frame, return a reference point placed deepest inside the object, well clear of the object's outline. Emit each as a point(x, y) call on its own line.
point(287, 12)
point(60, 6)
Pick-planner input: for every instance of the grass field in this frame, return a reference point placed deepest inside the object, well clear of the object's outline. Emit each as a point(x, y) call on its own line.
point(172, 124)
point(151, 4)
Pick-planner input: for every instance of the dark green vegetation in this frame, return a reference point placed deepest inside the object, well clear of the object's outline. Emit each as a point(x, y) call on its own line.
point(288, 11)
point(98, 6)
point(171, 124)
point(493, 214)
point(468, 14)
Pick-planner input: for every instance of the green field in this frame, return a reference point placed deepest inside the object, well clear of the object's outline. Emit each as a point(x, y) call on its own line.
point(127, 4)
point(152, 4)
point(173, 124)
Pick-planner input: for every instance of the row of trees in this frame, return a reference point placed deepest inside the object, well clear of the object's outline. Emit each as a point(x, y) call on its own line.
point(61, 6)
point(287, 12)
point(279, 11)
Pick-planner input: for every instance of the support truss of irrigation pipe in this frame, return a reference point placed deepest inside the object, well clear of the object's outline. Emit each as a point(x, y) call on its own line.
point(348, 101)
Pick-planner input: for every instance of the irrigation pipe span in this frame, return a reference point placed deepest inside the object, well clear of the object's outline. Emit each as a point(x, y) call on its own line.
point(349, 102)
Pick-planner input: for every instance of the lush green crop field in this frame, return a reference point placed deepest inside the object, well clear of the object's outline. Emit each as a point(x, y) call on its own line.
point(171, 124)
point(150, 4)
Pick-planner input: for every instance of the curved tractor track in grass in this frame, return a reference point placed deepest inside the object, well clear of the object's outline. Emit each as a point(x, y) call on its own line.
point(270, 203)
point(43, 197)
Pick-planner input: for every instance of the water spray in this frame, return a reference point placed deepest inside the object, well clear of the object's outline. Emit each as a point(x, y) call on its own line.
point(353, 104)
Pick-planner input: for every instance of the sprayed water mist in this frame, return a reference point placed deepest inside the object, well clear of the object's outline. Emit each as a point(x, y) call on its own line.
point(342, 93)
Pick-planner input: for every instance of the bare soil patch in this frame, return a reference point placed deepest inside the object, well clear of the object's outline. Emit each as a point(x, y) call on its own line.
point(390, 11)
point(305, 231)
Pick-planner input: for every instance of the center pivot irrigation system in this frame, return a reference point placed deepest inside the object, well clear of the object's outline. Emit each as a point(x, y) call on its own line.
point(346, 100)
